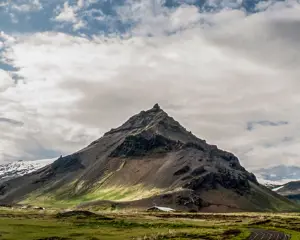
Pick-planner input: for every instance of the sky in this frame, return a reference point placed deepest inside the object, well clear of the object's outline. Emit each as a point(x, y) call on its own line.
point(226, 70)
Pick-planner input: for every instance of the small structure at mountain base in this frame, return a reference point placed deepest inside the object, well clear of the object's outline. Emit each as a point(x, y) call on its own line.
point(160, 209)
point(25, 207)
point(38, 208)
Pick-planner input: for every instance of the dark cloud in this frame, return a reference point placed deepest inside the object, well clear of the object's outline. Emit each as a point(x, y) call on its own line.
point(11, 122)
point(251, 125)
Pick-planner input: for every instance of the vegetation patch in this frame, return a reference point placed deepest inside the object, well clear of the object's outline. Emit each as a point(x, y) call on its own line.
point(54, 238)
point(118, 225)
point(82, 215)
point(113, 193)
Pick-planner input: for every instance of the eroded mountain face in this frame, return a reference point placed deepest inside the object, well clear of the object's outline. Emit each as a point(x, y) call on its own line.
point(151, 150)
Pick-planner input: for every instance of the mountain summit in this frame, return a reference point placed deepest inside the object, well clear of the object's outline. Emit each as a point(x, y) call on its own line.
point(150, 158)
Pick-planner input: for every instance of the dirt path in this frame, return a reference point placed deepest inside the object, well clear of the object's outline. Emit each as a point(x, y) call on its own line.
point(262, 234)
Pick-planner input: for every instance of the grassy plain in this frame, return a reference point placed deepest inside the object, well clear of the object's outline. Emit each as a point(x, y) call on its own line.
point(26, 224)
point(61, 198)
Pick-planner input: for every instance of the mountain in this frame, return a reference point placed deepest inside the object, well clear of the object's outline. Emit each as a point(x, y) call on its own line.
point(270, 184)
point(150, 159)
point(290, 190)
point(19, 168)
point(281, 179)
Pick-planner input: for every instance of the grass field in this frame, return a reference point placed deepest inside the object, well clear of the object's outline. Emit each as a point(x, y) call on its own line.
point(62, 197)
point(116, 225)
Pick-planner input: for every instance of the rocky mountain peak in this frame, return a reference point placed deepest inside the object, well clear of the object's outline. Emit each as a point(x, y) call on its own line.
point(156, 107)
point(143, 120)
point(154, 123)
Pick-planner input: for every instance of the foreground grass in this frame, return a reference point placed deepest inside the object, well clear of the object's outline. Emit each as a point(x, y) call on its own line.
point(288, 223)
point(35, 225)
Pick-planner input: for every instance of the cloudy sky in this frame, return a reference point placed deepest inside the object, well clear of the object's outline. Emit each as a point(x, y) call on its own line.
point(228, 70)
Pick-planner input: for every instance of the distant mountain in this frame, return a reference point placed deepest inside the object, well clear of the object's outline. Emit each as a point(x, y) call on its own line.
point(277, 176)
point(271, 184)
point(290, 190)
point(20, 168)
point(150, 159)
point(284, 180)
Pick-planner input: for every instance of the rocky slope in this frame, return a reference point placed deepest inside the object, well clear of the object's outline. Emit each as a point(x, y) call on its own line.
point(149, 153)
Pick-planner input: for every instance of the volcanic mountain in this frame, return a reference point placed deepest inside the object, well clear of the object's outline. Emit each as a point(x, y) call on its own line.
point(150, 159)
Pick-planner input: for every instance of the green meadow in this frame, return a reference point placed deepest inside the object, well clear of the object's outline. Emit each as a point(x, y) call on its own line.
point(51, 224)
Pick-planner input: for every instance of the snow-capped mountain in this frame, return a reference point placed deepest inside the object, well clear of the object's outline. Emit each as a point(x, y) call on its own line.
point(274, 185)
point(20, 168)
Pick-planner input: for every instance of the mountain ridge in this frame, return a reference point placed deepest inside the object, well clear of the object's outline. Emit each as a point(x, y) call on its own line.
point(290, 190)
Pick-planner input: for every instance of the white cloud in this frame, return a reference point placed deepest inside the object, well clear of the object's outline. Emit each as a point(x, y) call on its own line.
point(67, 14)
point(219, 72)
point(4, 3)
point(79, 25)
point(80, 3)
point(27, 6)
point(5, 80)
point(14, 18)
point(70, 14)
point(5, 37)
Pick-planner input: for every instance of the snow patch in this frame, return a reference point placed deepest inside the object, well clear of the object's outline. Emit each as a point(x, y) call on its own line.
point(274, 183)
point(276, 189)
point(20, 168)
